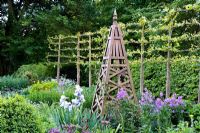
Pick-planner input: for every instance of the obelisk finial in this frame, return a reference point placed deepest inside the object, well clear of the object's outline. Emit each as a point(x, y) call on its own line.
point(115, 16)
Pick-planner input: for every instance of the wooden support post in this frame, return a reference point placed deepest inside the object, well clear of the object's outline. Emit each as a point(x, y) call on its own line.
point(58, 62)
point(78, 60)
point(90, 73)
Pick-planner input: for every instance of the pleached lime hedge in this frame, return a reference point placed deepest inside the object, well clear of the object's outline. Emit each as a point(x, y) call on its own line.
point(184, 76)
point(18, 116)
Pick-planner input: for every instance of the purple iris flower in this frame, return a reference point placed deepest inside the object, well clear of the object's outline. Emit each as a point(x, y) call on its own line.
point(61, 83)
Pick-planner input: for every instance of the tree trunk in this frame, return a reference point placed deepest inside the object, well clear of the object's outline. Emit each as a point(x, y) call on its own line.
point(199, 89)
point(168, 87)
point(90, 71)
point(11, 18)
point(58, 63)
point(78, 60)
point(142, 64)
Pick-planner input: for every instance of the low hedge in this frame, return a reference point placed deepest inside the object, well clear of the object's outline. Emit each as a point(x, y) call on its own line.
point(10, 83)
point(34, 72)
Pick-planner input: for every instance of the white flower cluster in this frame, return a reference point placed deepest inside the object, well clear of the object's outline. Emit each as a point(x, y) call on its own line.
point(75, 102)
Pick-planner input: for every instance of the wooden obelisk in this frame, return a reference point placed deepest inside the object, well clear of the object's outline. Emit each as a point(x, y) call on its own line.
point(115, 72)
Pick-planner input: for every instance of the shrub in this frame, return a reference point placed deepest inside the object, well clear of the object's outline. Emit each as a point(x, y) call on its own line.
point(44, 111)
point(10, 83)
point(194, 111)
point(181, 128)
point(16, 115)
point(155, 121)
point(33, 72)
point(125, 113)
point(197, 124)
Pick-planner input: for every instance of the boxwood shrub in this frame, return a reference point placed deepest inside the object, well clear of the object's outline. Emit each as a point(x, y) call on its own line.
point(18, 116)
point(33, 72)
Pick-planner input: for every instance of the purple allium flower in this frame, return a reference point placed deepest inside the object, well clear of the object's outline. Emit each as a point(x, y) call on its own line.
point(54, 130)
point(122, 94)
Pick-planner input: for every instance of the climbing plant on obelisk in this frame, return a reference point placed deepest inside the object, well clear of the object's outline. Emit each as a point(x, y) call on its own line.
point(115, 72)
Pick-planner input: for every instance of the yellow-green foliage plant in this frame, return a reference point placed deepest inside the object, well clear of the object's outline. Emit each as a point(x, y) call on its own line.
point(45, 92)
point(18, 116)
point(43, 86)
